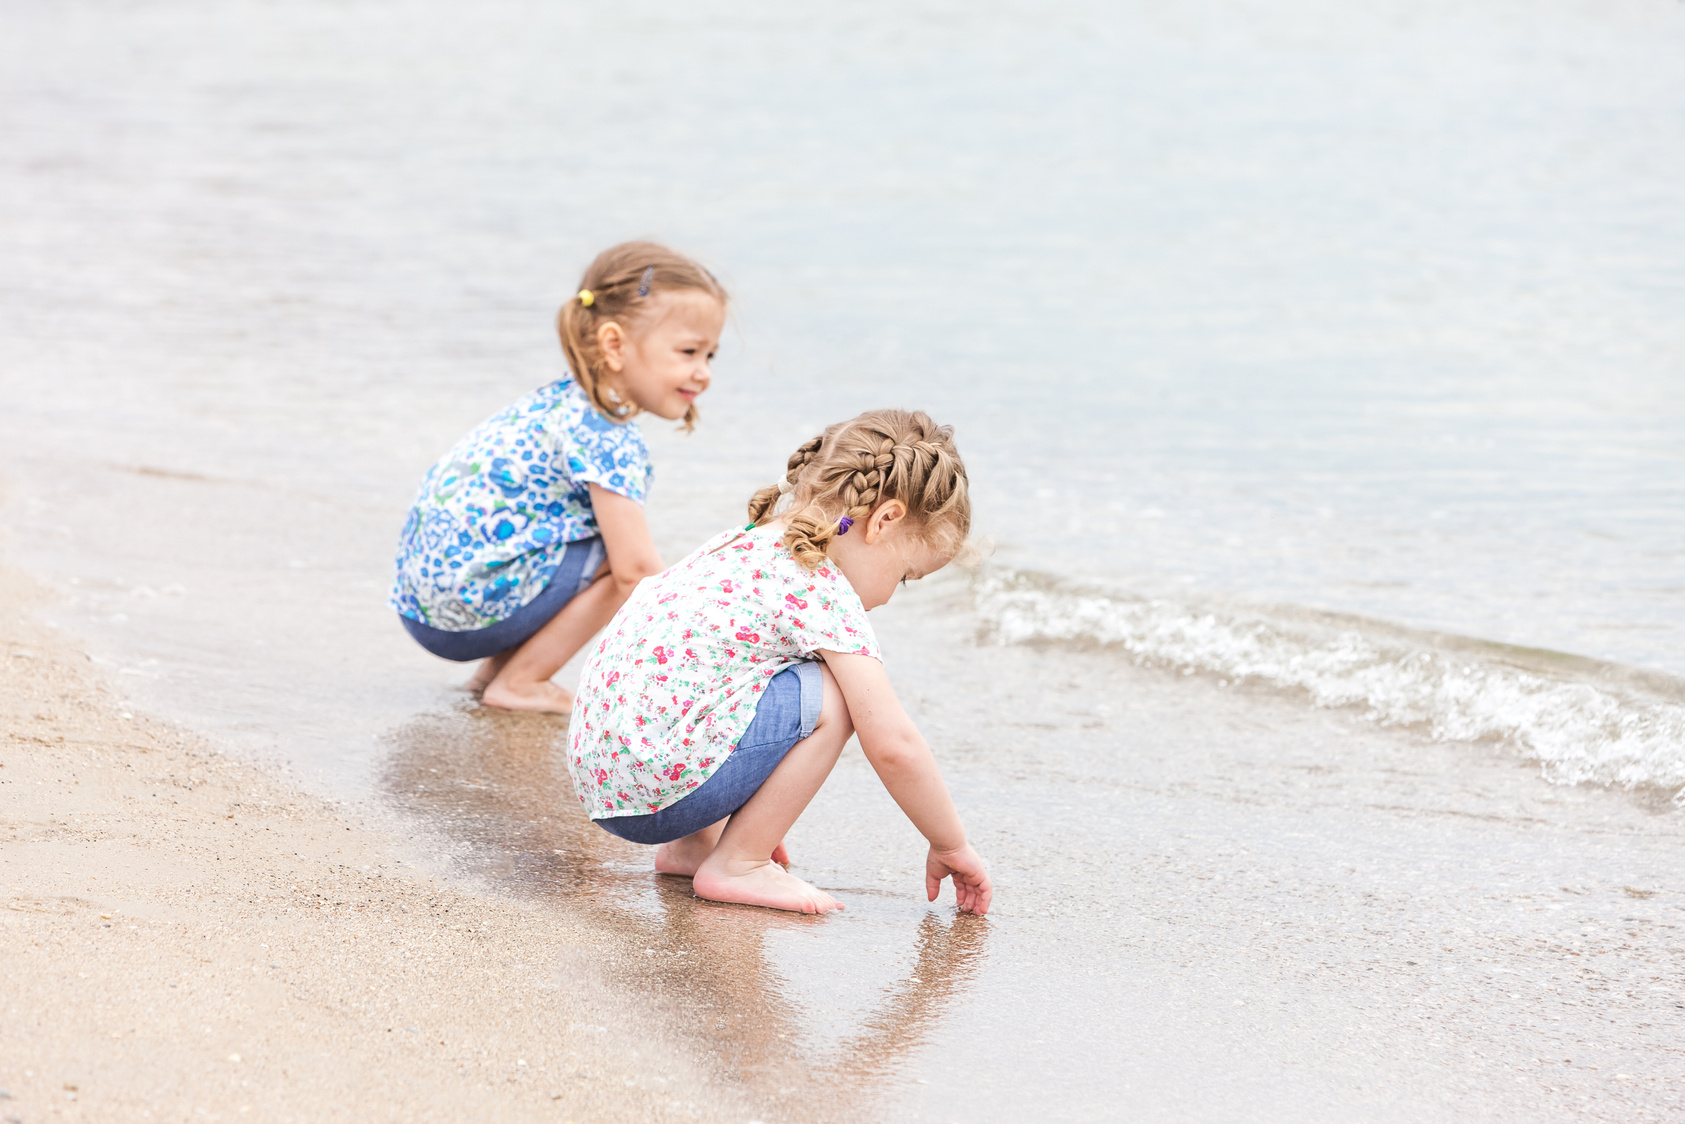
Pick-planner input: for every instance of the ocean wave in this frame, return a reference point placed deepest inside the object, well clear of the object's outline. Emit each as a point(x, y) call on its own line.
point(1581, 720)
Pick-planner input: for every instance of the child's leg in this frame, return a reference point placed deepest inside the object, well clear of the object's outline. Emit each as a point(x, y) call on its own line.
point(740, 867)
point(683, 856)
point(487, 671)
point(523, 681)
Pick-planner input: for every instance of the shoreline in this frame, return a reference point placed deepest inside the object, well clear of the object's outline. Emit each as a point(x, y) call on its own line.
point(1332, 916)
point(189, 935)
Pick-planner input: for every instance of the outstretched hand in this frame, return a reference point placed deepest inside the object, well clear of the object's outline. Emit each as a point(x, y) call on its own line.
point(972, 888)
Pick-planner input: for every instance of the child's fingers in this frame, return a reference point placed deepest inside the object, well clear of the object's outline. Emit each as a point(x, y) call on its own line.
point(974, 893)
point(932, 886)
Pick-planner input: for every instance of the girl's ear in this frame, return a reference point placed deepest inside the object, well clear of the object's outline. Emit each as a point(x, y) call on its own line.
point(888, 513)
point(611, 345)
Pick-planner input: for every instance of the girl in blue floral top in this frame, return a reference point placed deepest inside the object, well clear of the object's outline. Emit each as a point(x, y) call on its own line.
point(503, 549)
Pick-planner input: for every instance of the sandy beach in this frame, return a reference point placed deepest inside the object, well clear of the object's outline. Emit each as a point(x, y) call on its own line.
point(1320, 711)
point(186, 937)
point(1227, 929)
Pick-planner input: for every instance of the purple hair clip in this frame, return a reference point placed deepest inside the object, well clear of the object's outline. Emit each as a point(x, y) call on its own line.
point(844, 524)
point(644, 281)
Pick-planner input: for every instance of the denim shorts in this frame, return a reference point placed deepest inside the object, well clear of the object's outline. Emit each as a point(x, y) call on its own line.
point(787, 712)
point(578, 568)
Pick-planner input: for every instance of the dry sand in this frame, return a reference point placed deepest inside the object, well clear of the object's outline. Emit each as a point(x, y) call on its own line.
point(187, 937)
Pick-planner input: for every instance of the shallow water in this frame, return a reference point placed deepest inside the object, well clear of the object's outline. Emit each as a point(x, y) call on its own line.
point(1199, 917)
point(1320, 379)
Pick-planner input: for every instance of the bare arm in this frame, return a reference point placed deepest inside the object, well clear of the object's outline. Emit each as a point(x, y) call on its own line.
point(631, 550)
point(896, 749)
point(903, 761)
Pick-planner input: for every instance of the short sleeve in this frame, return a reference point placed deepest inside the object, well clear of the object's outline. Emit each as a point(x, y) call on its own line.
point(608, 455)
point(821, 611)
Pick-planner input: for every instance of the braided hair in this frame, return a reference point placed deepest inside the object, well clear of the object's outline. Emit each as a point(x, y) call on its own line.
point(854, 466)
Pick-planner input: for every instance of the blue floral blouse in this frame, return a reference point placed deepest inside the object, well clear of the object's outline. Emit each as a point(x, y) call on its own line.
point(494, 516)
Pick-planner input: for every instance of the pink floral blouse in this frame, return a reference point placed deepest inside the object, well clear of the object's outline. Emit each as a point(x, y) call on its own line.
point(674, 681)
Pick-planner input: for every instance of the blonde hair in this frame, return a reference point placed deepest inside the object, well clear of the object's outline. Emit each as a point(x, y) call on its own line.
point(854, 466)
point(618, 286)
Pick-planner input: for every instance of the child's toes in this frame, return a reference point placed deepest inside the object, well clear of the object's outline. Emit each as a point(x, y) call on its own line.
point(820, 901)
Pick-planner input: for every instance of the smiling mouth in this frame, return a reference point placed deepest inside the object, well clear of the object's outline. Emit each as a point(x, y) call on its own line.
point(689, 395)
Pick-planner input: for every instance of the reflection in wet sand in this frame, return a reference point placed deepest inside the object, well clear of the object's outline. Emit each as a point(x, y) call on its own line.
point(491, 792)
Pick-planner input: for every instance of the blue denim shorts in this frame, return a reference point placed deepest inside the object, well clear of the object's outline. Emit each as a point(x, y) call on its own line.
point(579, 565)
point(787, 712)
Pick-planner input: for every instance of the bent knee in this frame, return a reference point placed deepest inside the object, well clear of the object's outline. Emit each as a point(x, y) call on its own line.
point(625, 581)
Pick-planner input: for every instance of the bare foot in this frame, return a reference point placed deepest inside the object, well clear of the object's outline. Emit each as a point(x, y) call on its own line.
point(765, 884)
point(545, 697)
point(683, 856)
point(486, 672)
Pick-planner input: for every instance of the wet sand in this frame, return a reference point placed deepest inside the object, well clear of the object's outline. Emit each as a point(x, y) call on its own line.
point(1198, 916)
point(189, 937)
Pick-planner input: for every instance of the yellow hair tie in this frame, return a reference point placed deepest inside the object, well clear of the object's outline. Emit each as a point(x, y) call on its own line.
point(586, 299)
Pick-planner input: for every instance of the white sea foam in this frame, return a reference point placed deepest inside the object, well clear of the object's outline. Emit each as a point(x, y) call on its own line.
point(1581, 720)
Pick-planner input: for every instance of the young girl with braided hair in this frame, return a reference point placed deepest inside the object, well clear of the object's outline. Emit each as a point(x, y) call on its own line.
point(502, 552)
point(724, 690)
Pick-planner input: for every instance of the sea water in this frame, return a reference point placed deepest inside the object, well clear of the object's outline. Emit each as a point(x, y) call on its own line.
point(1239, 310)
point(1324, 359)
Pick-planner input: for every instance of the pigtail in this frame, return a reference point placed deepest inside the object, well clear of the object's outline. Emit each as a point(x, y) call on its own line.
point(576, 327)
point(763, 501)
point(808, 534)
